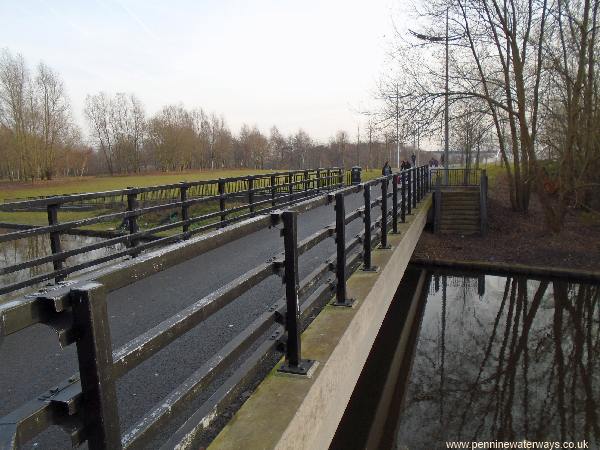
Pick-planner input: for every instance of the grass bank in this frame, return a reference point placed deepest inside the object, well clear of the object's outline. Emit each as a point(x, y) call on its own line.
point(74, 185)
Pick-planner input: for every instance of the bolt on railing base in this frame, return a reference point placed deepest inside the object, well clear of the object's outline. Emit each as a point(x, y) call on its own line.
point(349, 303)
point(305, 367)
point(384, 247)
point(373, 269)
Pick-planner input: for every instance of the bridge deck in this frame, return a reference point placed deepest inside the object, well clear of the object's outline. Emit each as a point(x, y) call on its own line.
point(32, 359)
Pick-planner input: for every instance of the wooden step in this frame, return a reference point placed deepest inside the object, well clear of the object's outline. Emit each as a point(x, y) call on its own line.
point(459, 197)
point(460, 208)
point(460, 214)
point(454, 226)
point(459, 229)
point(460, 194)
point(466, 208)
point(459, 217)
point(460, 232)
point(459, 223)
point(461, 201)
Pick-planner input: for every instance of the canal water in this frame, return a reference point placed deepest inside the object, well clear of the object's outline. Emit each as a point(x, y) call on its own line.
point(492, 359)
point(21, 250)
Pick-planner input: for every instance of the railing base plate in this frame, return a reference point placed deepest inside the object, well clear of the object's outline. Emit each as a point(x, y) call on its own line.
point(349, 303)
point(304, 368)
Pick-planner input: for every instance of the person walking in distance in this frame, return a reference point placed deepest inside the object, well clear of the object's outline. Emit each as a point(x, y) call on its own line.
point(387, 170)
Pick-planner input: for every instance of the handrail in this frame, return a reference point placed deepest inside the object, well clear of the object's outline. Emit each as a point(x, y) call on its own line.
point(248, 196)
point(67, 198)
point(78, 313)
point(455, 176)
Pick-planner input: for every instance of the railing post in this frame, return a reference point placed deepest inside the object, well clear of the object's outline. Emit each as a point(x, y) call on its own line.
point(420, 173)
point(293, 362)
point(319, 180)
point(414, 188)
point(395, 204)
point(251, 193)
point(306, 183)
point(185, 209)
point(367, 267)
point(437, 201)
point(417, 185)
point(384, 214)
point(328, 179)
point(409, 196)
point(483, 202)
point(273, 190)
point(427, 179)
point(221, 187)
point(403, 197)
point(340, 241)
point(341, 179)
point(132, 223)
point(416, 193)
point(94, 353)
point(55, 246)
point(290, 187)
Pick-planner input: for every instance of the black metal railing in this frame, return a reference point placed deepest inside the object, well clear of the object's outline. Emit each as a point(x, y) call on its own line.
point(455, 177)
point(85, 405)
point(190, 208)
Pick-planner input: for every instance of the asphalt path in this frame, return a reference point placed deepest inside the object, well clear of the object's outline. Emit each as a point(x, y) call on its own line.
point(31, 361)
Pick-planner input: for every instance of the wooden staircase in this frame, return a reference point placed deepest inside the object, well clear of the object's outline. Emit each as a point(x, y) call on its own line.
point(460, 211)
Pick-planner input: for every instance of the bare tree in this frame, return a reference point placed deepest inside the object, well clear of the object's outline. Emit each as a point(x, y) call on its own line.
point(15, 110)
point(97, 111)
point(54, 114)
point(508, 59)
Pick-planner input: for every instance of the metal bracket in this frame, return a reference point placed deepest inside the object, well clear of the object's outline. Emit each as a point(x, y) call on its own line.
point(349, 303)
point(66, 395)
point(59, 317)
point(303, 368)
point(57, 406)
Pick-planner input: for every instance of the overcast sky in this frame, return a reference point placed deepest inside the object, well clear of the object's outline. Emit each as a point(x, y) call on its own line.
point(296, 64)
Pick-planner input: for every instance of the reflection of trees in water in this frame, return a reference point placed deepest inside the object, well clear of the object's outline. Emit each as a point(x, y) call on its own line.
point(30, 248)
point(468, 285)
point(522, 366)
point(21, 250)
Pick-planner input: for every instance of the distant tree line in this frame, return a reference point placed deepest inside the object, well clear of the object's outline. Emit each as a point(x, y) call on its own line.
point(39, 138)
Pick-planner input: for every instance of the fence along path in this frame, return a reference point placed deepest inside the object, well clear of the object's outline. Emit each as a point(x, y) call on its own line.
point(198, 206)
point(85, 404)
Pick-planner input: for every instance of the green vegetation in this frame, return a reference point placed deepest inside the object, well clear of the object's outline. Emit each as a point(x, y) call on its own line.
point(73, 185)
point(370, 174)
point(493, 171)
point(98, 184)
